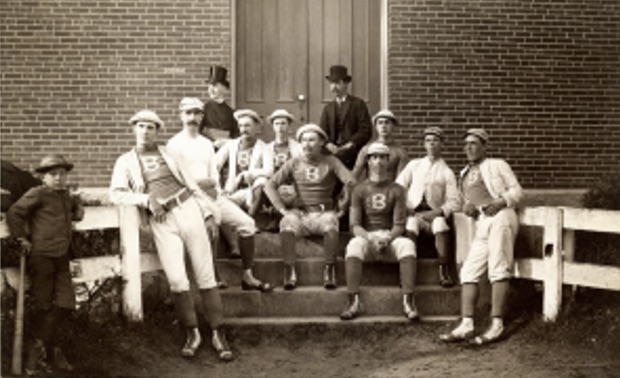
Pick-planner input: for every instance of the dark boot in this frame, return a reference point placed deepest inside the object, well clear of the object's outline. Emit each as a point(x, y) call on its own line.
point(221, 346)
point(445, 279)
point(184, 307)
point(290, 277)
point(354, 308)
point(409, 307)
point(192, 342)
point(329, 277)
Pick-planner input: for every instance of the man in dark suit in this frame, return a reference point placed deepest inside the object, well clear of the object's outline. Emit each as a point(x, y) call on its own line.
point(346, 119)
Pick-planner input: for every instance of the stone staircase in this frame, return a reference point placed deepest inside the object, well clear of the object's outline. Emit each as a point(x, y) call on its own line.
point(311, 303)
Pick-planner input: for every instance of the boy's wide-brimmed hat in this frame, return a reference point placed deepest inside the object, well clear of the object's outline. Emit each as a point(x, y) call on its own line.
point(337, 73)
point(217, 74)
point(50, 162)
point(281, 113)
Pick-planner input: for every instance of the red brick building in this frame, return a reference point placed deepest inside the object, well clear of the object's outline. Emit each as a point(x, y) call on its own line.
point(542, 76)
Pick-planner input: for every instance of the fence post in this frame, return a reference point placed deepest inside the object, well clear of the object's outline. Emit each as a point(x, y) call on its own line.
point(129, 225)
point(552, 257)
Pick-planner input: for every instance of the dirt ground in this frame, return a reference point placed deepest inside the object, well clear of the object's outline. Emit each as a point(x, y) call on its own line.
point(585, 342)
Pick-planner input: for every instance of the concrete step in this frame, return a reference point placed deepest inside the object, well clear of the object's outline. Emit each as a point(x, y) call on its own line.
point(308, 302)
point(310, 272)
point(333, 320)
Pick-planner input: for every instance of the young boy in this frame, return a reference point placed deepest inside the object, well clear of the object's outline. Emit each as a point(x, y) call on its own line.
point(48, 211)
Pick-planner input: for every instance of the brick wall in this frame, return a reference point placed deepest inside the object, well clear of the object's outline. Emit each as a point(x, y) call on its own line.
point(542, 76)
point(73, 72)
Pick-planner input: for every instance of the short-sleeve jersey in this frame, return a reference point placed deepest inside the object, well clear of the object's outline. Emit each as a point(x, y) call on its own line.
point(378, 205)
point(314, 180)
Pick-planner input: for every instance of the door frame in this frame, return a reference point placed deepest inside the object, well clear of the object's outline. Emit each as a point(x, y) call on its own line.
point(384, 87)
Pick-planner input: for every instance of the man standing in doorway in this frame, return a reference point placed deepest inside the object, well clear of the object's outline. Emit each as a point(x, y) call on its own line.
point(345, 120)
point(218, 123)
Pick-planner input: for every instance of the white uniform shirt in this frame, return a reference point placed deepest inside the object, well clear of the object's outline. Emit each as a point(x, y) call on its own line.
point(433, 180)
point(198, 154)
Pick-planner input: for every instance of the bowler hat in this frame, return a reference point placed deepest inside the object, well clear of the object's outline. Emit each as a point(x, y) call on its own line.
point(146, 115)
point(217, 74)
point(311, 127)
point(337, 73)
point(280, 113)
point(480, 133)
point(50, 162)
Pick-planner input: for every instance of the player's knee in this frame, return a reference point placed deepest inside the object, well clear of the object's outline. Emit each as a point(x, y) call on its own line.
point(440, 225)
point(412, 225)
point(356, 248)
point(404, 248)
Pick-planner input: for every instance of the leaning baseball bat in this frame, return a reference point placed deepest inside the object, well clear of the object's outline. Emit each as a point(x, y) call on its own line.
point(18, 339)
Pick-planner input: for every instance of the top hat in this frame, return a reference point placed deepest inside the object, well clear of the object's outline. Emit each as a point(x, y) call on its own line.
point(217, 74)
point(337, 73)
point(50, 162)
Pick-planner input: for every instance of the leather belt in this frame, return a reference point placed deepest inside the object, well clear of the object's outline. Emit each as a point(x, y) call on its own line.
point(318, 208)
point(177, 200)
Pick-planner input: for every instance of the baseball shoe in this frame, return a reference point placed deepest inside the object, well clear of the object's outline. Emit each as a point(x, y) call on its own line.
point(492, 334)
point(354, 308)
point(461, 333)
point(221, 346)
point(290, 277)
point(409, 307)
point(329, 277)
point(445, 279)
point(192, 342)
point(263, 287)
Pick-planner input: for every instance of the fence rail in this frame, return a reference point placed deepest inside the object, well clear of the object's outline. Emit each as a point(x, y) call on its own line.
point(556, 266)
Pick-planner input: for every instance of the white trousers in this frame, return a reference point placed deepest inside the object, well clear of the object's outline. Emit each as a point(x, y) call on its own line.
point(234, 216)
point(184, 229)
point(492, 249)
point(366, 249)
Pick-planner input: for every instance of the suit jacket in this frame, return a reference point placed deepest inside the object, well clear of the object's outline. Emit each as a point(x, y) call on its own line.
point(355, 126)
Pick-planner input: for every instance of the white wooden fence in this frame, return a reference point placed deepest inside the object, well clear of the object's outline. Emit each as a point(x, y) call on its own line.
point(555, 268)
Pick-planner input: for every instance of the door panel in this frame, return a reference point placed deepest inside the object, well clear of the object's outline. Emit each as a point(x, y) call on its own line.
point(284, 49)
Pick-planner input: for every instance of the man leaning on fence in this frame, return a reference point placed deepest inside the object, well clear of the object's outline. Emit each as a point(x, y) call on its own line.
point(490, 192)
point(178, 213)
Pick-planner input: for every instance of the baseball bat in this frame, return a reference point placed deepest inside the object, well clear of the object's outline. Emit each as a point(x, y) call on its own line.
point(16, 363)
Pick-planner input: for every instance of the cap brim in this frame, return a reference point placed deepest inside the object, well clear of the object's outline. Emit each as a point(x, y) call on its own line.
point(48, 168)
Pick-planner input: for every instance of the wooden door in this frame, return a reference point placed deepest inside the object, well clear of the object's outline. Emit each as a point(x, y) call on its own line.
point(284, 49)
